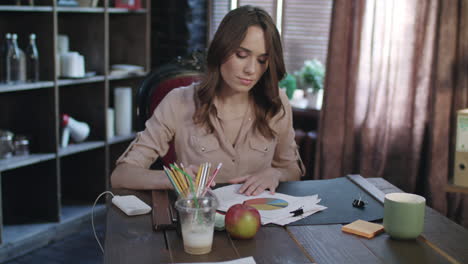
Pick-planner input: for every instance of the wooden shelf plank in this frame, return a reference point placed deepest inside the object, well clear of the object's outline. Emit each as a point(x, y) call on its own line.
point(119, 139)
point(127, 76)
point(64, 82)
point(81, 147)
point(15, 8)
point(21, 161)
point(4, 88)
point(114, 10)
point(80, 9)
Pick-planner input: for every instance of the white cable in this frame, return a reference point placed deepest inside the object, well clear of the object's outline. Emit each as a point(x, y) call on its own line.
point(92, 218)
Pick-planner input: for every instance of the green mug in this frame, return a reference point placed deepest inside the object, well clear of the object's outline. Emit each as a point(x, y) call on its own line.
point(404, 215)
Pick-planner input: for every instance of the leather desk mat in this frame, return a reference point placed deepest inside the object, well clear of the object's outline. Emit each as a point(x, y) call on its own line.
point(338, 195)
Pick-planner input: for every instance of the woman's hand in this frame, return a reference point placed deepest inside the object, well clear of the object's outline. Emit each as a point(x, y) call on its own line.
point(255, 184)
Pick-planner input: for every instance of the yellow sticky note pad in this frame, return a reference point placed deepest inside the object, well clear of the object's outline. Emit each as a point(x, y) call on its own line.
point(363, 228)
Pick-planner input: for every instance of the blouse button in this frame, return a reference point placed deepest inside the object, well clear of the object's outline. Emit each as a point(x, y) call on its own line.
point(203, 149)
point(265, 149)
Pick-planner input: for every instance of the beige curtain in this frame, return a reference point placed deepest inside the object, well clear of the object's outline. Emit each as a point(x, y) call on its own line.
point(394, 81)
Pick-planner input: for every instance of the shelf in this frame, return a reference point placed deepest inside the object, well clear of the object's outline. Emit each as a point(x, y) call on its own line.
point(66, 9)
point(19, 239)
point(127, 76)
point(5, 88)
point(114, 10)
point(99, 78)
point(21, 161)
point(64, 82)
point(81, 147)
point(25, 8)
point(80, 9)
point(119, 139)
point(105, 36)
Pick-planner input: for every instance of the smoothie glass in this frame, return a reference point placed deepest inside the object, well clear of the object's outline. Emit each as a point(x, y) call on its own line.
point(197, 218)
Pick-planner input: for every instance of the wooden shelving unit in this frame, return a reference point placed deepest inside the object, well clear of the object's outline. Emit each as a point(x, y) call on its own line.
point(46, 194)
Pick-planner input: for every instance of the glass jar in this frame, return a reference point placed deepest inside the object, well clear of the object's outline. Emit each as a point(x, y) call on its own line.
point(21, 146)
point(6, 144)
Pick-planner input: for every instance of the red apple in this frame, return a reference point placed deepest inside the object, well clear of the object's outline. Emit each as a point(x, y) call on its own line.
point(242, 221)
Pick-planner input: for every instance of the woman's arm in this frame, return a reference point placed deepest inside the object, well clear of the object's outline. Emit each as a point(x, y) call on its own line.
point(292, 173)
point(130, 176)
point(132, 170)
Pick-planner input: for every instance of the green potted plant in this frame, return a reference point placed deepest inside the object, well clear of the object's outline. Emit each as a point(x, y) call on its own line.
point(289, 83)
point(311, 77)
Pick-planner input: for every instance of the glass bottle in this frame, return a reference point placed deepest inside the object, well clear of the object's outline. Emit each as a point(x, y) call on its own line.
point(22, 65)
point(5, 69)
point(13, 61)
point(32, 60)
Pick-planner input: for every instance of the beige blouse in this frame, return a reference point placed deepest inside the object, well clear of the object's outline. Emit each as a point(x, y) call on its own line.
point(172, 119)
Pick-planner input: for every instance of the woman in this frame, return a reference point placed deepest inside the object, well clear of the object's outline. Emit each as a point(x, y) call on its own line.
point(236, 116)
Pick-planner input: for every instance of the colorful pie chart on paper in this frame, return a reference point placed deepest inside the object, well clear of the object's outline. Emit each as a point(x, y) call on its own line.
point(266, 203)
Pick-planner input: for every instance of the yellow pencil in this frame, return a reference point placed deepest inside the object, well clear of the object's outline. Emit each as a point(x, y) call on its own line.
point(175, 175)
point(181, 178)
point(197, 178)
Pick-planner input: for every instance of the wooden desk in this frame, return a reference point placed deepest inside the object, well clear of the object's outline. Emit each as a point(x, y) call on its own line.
point(132, 240)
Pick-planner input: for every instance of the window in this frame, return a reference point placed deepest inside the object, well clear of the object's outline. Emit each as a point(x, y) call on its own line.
point(304, 26)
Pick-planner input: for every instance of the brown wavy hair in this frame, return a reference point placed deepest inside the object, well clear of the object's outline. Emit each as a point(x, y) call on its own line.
point(227, 39)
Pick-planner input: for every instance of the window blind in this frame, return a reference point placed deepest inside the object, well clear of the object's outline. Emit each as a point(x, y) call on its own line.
point(305, 26)
point(219, 8)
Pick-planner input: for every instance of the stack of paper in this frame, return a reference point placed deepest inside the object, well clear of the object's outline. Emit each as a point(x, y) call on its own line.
point(275, 208)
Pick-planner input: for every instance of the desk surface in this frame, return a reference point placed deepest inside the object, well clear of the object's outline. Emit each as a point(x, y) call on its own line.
point(132, 240)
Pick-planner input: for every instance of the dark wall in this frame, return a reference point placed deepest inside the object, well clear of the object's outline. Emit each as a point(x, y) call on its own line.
point(177, 28)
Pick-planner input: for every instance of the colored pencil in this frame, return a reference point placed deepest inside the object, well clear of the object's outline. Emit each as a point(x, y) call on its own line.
point(173, 182)
point(197, 178)
point(181, 176)
point(189, 180)
point(180, 181)
point(210, 181)
point(200, 179)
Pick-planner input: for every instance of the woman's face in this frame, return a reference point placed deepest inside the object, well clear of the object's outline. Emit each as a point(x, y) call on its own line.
point(246, 65)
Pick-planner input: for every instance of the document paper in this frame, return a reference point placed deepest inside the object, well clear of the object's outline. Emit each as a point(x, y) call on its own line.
point(229, 195)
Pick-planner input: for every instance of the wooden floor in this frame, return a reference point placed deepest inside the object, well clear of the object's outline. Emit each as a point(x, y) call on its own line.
point(77, 248)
